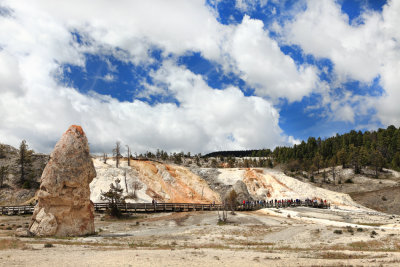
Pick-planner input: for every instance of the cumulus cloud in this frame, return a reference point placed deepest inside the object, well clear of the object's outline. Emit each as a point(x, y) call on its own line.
point(248, 5)
point(324, 31)
point(205, 120)
point(40, 36)
point(364, 50)
point(262, 64)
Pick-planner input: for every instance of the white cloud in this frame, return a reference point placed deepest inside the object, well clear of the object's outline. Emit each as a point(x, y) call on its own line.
point(36, 40)
point(324, 31)
point(175, 27)
point(109, 77)
point(10, 79)
point(249, 5)
point(360, 51)
point(205, 120)
point(262, 64)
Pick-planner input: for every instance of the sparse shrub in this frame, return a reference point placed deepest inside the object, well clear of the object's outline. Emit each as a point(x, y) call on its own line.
point(221, 222)
point(288, 216)
point(26, 185)
point(48, 245)
point(350, 229)
point(114, 212)
point(360, 229)
point(373, 233)
point(9, 228)
point(384, 198)
point(338, 232)
point(349, 181)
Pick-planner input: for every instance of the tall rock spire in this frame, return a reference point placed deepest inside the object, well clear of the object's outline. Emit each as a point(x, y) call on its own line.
point(64, 207)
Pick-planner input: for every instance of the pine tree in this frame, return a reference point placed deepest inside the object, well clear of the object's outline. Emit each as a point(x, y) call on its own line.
point(342, 157)
point(114, 196)
point(3, 175)
point(317, 161)
point(377, 161)
point(25, 165)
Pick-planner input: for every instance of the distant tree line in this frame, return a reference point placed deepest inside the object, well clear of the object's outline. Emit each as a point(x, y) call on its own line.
point(377, 149)
point(241, 153)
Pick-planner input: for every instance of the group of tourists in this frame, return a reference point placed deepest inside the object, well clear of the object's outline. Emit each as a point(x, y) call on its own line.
point(286, 203)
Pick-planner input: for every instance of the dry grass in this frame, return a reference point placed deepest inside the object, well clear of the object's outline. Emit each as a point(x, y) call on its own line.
point(339, 256)
point(370, 224)
point(367, 245)
point(12, 244)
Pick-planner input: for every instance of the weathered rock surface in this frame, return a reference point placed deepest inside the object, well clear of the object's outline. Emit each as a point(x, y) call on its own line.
point(22, 232)
point(64, 207)
point(241, 191)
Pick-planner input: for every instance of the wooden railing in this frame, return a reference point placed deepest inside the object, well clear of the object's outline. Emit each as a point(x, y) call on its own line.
point(170, 207)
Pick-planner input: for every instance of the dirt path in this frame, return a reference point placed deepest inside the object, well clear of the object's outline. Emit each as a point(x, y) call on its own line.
point(84, 256)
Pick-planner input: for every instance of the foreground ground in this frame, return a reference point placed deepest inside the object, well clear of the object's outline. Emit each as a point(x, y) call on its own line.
point(288, 237)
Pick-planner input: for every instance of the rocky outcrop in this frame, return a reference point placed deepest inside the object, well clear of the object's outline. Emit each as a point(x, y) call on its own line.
point(241, 191)
point(64, 207)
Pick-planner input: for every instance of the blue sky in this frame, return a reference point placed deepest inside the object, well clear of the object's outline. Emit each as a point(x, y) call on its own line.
point(197, 76)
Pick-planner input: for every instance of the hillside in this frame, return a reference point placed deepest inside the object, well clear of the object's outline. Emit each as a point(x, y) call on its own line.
point(172, 183)
point(385, 200)
point(189, 182)
point(13, 192)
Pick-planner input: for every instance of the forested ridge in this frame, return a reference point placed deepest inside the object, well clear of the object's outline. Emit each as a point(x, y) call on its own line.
point(377, 149)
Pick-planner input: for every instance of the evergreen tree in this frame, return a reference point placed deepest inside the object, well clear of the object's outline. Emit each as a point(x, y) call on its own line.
point(3, 175)
point(25, 165)
point(396, 161)
point(317, 161)
point(342, 157)
point(2, 151)
point(114, 196)
point(355, 158)
point(377, 161)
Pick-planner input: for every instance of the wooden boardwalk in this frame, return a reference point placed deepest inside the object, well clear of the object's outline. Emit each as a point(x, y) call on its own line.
point(167, 207)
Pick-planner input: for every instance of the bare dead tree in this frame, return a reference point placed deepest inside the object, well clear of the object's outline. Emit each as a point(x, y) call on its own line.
point(104, 158)
point(129, 156)
point(126, 184)
point(223, 218)
point(117, 153)
point(136, 185)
